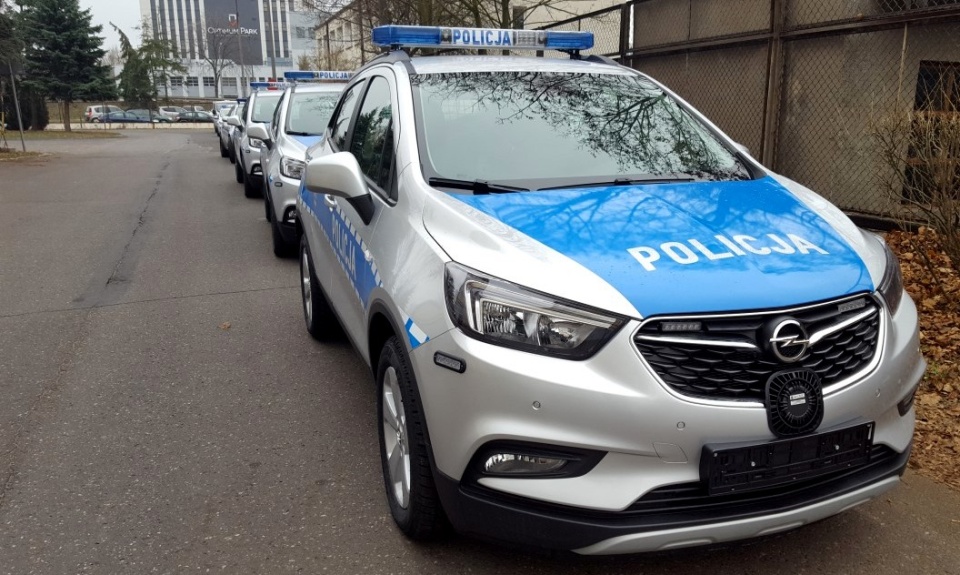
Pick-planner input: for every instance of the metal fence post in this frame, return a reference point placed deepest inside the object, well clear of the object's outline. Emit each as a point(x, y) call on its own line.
point(624, 29)
point(771, 116)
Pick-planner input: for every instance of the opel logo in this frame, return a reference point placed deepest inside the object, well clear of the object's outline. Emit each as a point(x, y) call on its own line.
point(789, 341)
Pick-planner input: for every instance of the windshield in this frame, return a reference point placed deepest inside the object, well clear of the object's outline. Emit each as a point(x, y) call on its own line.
point(263, 108)
point(543, 128)
point(309, 113)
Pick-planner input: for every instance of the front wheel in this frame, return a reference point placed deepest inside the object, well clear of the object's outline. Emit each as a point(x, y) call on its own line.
point(321, 323)
point(404, 456)
point(250, 187)
point(281, 248)
point(238, 172)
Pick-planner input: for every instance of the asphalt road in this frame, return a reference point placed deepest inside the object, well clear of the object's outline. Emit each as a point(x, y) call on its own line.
point(163, 410)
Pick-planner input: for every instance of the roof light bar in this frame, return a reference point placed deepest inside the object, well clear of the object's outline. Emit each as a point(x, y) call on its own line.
point(267, 85)
point(503, 39)
point(316, 75)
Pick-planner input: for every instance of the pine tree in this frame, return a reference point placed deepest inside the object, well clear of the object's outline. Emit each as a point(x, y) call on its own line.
point(63, 53)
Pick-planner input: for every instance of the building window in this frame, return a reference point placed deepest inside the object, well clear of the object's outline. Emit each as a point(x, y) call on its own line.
point(176, 81)
point(192, 81)
point(229, 82)
point(208, 82)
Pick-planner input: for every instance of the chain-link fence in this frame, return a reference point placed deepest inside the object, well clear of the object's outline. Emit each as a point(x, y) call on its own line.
point(606, 25)
point(812, 87)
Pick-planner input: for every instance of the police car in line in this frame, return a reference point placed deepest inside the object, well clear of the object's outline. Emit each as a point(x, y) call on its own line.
point(224, 129)
point(298, 123)
point(595, 323)
point(256, 110)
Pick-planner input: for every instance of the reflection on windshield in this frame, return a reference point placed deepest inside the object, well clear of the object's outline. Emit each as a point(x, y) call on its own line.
point(309, 113)
point(264, 107)
point(509, 126)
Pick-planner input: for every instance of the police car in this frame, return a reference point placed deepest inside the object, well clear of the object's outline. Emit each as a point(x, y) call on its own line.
point(298, 123)
point(256, 110)
point(595, 323)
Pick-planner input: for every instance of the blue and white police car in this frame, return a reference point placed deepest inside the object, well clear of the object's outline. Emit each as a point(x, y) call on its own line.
point(298, 122)
point(595, 324)
point(256, 110)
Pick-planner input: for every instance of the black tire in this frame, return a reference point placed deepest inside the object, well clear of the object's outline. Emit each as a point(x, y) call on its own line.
point(421, 516)
point(321, 322)
point(223, 151)
point(281, 248)
point(238, 172)
point(251, 188)
point(266, 206)
point(233, 154)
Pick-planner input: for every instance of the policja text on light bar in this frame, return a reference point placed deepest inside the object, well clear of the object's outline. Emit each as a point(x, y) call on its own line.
point(305, 75)
point(436, 36)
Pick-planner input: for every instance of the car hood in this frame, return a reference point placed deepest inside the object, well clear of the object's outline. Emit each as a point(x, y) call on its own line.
point(296, 146)
point(664, 249)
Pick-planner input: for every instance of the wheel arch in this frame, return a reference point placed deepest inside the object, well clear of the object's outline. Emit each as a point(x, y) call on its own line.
point(381, 327)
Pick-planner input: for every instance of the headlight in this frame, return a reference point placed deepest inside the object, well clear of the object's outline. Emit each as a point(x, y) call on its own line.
point(502, 313)
point(256, 143)
point(891, 286)
point(291, 168)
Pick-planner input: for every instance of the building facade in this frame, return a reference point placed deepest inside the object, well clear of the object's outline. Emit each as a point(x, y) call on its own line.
point(226, 44)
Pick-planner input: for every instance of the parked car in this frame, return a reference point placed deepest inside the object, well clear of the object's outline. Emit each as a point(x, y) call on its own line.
point(258, 109)
point(125, 117)
point(217, 113)
point(93, 113)
point(189, 116)
point(594, 322)
point(171, 112)
point(224, 130)
point(300, 120)
point(147, 115)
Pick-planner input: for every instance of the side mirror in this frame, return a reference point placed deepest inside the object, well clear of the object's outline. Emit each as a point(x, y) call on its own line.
point(233, 121)
point(339, 175)
point(259, 132)
point(743, 149)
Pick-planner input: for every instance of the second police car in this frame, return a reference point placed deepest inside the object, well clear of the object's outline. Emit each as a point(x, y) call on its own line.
point(594, 323)
point(256, 110)
point(298, 123)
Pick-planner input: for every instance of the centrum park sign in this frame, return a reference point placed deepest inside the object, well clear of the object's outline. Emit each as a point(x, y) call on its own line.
point(234, 31)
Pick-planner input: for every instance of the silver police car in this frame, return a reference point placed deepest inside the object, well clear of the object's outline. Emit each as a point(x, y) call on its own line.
point(299, 121)
point(257, 110)
point(595, 324)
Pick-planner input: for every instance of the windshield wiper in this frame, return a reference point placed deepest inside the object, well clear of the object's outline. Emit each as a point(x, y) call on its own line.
point(476, 186)
point(294, 133)
point(625, 182)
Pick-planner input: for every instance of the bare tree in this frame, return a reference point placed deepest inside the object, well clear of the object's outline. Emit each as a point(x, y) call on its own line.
point(920, 149)
point(218, 53)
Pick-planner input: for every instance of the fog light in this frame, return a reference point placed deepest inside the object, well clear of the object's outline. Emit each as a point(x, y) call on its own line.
point(907, 402)
point(519, 464)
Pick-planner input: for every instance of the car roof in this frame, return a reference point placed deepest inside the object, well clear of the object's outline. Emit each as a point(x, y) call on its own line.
point(331, 87)
point(463, 63)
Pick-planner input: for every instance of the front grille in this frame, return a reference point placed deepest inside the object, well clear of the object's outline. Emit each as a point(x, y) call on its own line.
point(688, 497)
point(727, 357)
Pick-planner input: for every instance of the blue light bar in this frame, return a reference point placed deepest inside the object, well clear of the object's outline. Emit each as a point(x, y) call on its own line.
point(502, 39)
point(307, 75)
point(267, 85)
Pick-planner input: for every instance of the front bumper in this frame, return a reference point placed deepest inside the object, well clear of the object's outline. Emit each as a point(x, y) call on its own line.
point(652, 439)
point(283, 198)
point(656, 525)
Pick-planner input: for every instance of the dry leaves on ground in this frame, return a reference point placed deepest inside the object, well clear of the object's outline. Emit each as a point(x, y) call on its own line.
point(934, 285)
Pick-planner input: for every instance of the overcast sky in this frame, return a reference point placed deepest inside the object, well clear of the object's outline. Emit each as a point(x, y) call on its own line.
point(124, 13)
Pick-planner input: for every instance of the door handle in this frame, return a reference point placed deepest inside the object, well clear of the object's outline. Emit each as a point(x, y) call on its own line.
point(330, 201)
